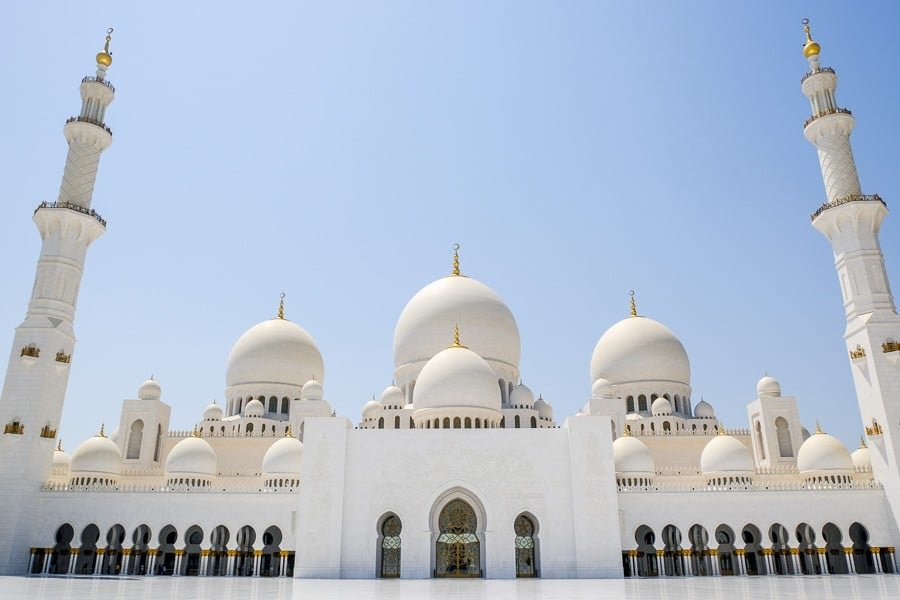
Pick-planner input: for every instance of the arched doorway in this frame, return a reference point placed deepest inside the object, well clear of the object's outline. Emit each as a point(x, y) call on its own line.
point(458, 549)
point(727, 562)
point(270, 561)
point(140, 551)
point(526, 555)
point(835, 560)
point(243, 560)
point(673, 564)
point(809, 554)
point(863, 562)
point(781, 551)
point(193, 537)
point(112, 556)
point(218, 552)
point(62, 550)
point(647, 565)
point(700, 562)
point(389, 546)
point(754, 559)
point(165, 552)
point(87, 552)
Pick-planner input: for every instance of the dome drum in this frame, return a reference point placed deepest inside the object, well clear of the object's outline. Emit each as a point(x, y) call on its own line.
point(461, 417)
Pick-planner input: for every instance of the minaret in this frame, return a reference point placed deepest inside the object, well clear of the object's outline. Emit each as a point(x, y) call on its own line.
point(851, 221)
point(43, 345)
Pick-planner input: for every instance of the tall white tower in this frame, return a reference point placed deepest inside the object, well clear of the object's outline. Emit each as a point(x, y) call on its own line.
point(851, 221)
point(42, 350)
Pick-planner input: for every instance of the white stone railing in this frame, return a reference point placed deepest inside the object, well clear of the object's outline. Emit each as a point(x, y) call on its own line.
point(764, 486)
point(162, 488)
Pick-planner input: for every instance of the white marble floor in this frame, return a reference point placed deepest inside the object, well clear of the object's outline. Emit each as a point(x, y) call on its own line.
point(223, 588)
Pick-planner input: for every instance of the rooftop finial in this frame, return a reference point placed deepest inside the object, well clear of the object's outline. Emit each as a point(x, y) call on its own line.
point(862, 442)
point(456, 259)
point(195, 432)
point(631, 301)
point(456, 342)
point(818, 427)
point(281, 307)
point(627, 432)
point(59, 444)
point(721, 430)
point(289, 432)
point(810, 48)
point(101, 433)
point(104, 58)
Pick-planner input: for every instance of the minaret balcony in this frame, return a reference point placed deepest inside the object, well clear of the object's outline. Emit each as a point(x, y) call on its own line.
point(76, 207)
point(92, 122)
point(100, 80)
point(809, 74)
point(891, 349)
point(825, 113)
point(14, 428)
point(847, 200)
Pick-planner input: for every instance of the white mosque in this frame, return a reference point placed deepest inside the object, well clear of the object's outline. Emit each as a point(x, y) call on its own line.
point(457, 470)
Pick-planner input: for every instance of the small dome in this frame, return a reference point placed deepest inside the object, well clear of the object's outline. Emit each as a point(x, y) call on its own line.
point(371, 408)
point(602, 388)
point(254, 408)
point(61, 459)
point(456, 377)
point(640, 349)
point(392, 397)
point(192, 455)
point(213, 412)
point(283, 457)
point(860, 457)
point(768, 387)
point(97, 455)
point(312, 390)
point(823, 452)
point(726, 454)
point(522, 396)
point(274, 351)
point(704, 410)
point(631, 455)
point(150, 390)
point(661, 407)
point(811, 48)
point(544, 409)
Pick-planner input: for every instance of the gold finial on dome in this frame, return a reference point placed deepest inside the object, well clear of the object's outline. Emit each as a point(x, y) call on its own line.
point(456, 342)
point(195, 432)
point(862, 442)
point(627, 431)
point(59, 445)
point(105, 57)
point(456, 260)
point(721, 429)
point(818, 428)
point(810, 48)
point(289, 432)
point(631, 301)
point(281, 307)
point(101, 433)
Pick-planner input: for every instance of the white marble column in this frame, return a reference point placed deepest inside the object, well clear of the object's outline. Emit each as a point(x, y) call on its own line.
point(795, 559)
point(877, 560)
point(73, 555)
point(48, 552)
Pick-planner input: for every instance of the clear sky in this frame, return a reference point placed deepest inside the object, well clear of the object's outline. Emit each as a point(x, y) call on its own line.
point(336, 151)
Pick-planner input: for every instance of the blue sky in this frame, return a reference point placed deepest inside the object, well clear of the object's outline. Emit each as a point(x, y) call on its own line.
point(335, 151)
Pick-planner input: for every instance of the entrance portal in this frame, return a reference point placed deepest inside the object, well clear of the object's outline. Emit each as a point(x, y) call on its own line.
point(458, 551)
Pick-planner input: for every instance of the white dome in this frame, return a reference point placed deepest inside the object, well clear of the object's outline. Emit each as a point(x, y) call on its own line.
point(543, 407)
point(98, 454)
point(274, 351)
point(726, 454)
point(860, 457)
point(486, 323)
point(823, 452)
point(768, 387)
point(392, 396)
point(602, 388)
point(640, 349)
point(283, 457)
point(704, 410)
point(254, 408)
point(522, 396)
point(192, 455)
point(631, 455)
point(61, 459)
point(150, 390)
point(456, 377)
point(661, 407)
point(371, 408)
point(213, 412)
point(311, 390)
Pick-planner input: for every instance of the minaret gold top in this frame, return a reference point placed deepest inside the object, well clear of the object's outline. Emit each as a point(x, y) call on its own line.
point(810, 48)
point(456, 260)
point(631, 301)
point(281, 307)
point(105, 57)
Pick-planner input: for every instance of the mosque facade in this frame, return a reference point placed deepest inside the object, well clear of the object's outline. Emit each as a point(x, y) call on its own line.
point(457, 470)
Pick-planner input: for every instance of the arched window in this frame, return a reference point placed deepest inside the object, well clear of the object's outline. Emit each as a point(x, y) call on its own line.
point(534, 422)
point(273, 404)
point(380, 422)
point(783, 433)
point(135, 437)
point(642, 403)
point(397, 422)
point(526, 559)
point(446, 423)
point(518, 423)
point(456, 423)
point(285, 404)
point(249, 428)
point(759, 441)
point(156, 448)
point(468, 423)
point(390, 547)
point(629, 403)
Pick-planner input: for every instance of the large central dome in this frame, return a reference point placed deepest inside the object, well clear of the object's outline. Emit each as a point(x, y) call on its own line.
point(486, 322)
point(640, 349)
point(275, 351)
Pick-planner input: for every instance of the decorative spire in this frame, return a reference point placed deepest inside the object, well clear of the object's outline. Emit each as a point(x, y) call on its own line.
point(456, 260)
point(627, 432)
point(59, 444)
point(195, 432)
point(862, 442)
point(104, 58)
point(289, 432)
point(101, 433)
point(281, 307)
point(631, 301)
point(810, 48)
point(818, 428)
point(456, 342)
point(721, 430)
